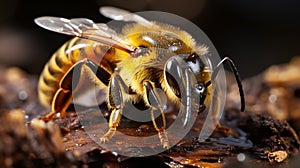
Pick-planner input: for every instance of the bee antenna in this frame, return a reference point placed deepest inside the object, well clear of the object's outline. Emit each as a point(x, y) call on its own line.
point(236, 75)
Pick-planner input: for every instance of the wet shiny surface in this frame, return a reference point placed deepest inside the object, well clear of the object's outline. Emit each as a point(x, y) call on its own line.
point(265, 134)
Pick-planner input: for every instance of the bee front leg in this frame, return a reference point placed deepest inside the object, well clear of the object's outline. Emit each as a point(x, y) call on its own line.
point(178, 77)
point(155, 104)
point(116, 88)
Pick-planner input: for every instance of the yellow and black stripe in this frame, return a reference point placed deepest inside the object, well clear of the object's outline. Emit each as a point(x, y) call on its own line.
point(64, 58)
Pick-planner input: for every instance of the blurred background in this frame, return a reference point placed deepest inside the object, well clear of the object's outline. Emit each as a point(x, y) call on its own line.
point(254, 33)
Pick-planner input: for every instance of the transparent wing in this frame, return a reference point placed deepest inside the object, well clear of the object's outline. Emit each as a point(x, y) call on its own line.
point(120, 14)
point(83, 23)
point(59, 25)
point(216, 107)
point(84, 28)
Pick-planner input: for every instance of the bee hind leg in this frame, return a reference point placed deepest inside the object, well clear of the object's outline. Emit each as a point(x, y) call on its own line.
point(156, 106)
point(61, 101)
point(116, 88)
point(63, 96)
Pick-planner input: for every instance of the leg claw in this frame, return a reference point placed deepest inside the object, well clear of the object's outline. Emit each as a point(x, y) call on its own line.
point(108, 135)
point(162, 134)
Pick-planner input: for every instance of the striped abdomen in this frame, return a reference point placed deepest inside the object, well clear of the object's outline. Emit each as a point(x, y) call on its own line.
point(62, 60)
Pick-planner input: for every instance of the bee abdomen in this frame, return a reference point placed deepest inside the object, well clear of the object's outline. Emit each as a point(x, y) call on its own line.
point(53, 72)
point(63, 59)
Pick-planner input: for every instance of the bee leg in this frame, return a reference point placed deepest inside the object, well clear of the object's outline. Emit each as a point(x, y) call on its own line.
point(187, 97)
point(63, 96)
point(116, 87)
point(155, 104)
point(178, 78)
point(60, 103)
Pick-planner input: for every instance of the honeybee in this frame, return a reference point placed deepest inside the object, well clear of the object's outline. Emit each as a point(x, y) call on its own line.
point(127, 65)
